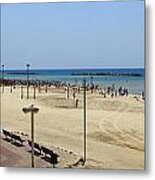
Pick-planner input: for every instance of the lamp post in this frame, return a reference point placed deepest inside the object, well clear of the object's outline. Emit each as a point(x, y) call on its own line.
point(28, 69)
point(34, 92)
point(2, 78)
point(32, 110)
point(85, 125)
point(68, 91)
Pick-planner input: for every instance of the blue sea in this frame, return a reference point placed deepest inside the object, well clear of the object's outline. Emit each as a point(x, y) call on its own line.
point(135, 84)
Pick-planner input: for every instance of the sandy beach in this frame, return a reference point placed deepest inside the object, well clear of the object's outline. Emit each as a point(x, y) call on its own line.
point(115, 126)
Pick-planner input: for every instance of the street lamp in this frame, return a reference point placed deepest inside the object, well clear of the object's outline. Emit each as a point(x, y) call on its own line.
point(3, 78)
point(33, 110)
point(28, 69)
point(85, 123)
point(68, 91)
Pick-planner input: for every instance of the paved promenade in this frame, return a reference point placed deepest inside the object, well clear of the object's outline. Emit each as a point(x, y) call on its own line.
point(13, 155)
point(16, 156)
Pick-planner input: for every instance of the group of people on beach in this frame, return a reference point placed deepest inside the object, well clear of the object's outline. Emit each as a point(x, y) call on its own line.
point(113, 92)
point(73, 89)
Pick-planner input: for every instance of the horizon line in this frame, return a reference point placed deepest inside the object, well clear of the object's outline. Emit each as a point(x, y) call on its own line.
point(76, 68)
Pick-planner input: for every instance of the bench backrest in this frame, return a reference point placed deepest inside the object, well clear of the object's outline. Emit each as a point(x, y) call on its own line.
point(30, 143)
point(16, 137)
point(7, 133)
point(37, 146)
point(46, 150)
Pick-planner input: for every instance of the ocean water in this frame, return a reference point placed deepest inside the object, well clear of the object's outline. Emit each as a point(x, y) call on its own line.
point(134, 84)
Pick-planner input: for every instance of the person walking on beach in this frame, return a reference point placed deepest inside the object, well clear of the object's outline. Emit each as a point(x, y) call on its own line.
point(143, 95)
point(120, 90)
point(76, 102)
point(74, 95)
point(92, 88)
point(126, 92)
point(78, 89)
point(46, 88)
point(115, 93)
point(108, 90)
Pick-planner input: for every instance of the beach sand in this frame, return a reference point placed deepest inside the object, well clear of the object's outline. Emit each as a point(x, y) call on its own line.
point(115, 126)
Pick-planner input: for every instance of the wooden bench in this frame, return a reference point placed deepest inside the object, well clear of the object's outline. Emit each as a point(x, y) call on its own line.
point(29, 143)
point(17, 138)
point(7, 134)
point(36, 146)
point(54, 158)
point(46, 151)
point(13, 137)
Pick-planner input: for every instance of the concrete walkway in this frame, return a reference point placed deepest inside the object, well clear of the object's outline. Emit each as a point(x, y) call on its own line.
point(13, 155)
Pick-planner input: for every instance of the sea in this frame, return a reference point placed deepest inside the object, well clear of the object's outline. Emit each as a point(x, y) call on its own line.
point(135, 84)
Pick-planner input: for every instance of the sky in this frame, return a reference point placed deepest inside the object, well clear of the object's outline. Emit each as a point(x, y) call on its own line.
point(73, 35)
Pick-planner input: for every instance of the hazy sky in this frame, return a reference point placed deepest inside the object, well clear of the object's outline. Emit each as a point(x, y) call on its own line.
point(57, 35)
